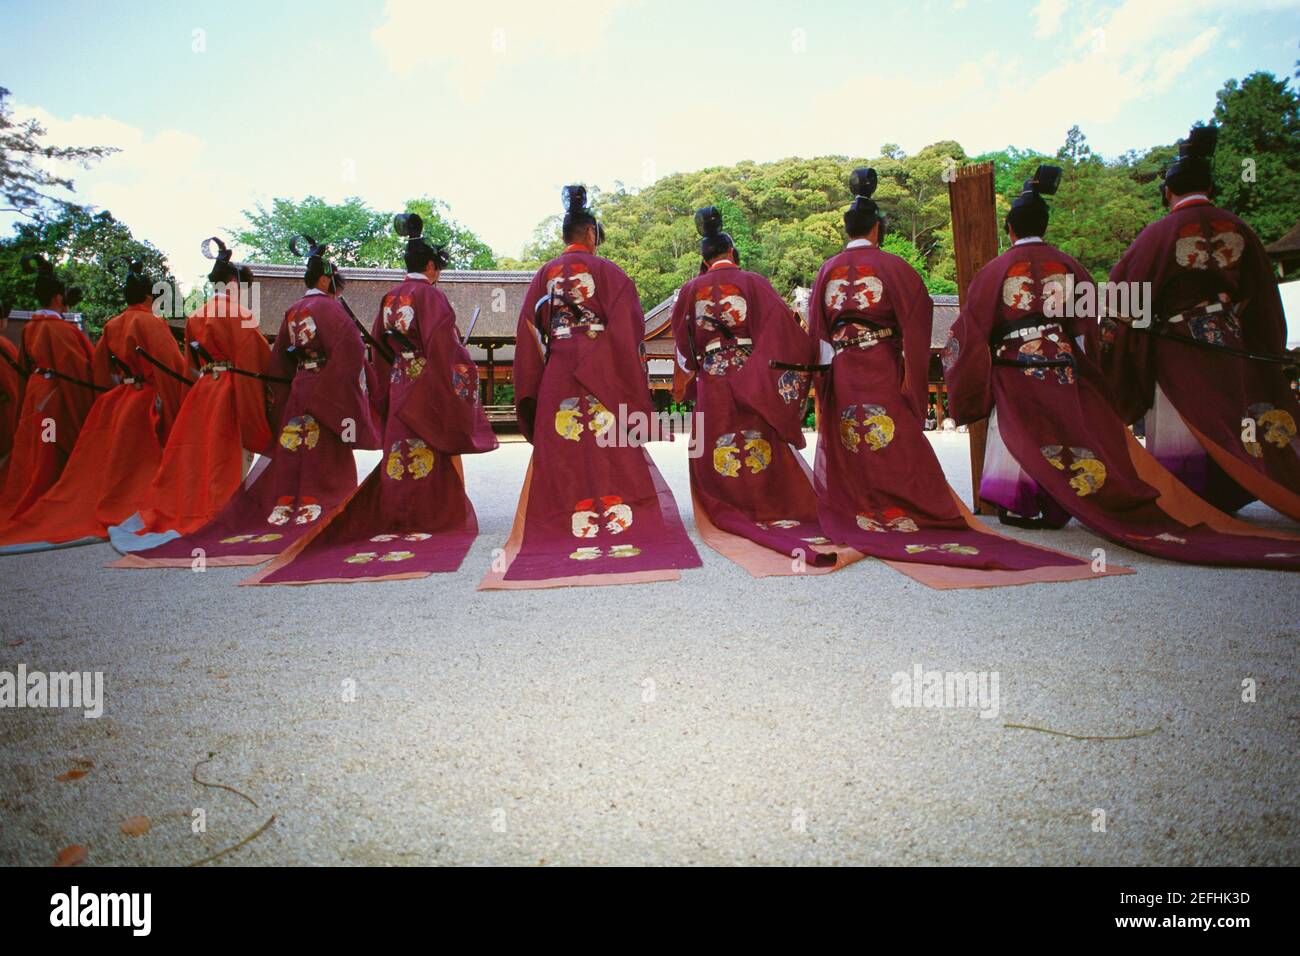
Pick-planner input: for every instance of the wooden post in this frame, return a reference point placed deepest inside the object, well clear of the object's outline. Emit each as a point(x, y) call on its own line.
point(975, 243)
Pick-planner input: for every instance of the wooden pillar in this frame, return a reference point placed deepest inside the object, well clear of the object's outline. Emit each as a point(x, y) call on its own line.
point(975, 243)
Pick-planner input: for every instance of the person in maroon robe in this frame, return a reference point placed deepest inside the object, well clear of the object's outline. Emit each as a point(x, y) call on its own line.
point(411, 516)
point(746, 363)
point(594, 508)
point(321, 409)
point(1208, 367)
point(879, 484)
point(1056, 446)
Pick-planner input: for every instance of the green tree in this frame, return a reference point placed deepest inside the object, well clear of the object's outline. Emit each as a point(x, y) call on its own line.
point(355, 234)
point(84, 247)
point(466, 250)
point(1257, 164)
point(25, 177)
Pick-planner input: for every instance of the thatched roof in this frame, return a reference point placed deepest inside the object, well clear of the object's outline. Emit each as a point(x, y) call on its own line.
point(1288, 247)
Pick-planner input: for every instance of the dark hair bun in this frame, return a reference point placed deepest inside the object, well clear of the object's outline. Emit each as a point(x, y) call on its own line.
point(314, 248)
point(1045, 181)
point(862, 182)
point(1201, 142)
point(708, 221)
point(575, 198)
point(408, 225)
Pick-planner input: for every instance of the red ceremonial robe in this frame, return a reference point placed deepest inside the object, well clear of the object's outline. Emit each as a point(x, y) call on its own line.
point(1059, 425)
point(1211, 282)
point(749, 484)
point(322, 416)
point(223, 413)
point(120, 445)
point(594, 508)
point(411, 517)
point(53, 409)
point(11, 399)
point(880, 486)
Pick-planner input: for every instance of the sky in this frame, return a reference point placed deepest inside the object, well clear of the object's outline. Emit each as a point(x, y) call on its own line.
point(493, 106)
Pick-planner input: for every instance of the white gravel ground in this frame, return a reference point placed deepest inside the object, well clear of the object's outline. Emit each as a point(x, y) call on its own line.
point(719, 719)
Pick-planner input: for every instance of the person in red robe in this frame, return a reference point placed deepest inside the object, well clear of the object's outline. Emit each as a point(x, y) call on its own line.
point(1056, 445)
point(140, 368)
point(322, 412)
point(411, 517)
point(746, 364)
point(1208, 366)
point(12, 377)
point(224, 413)
point(879, 484)
point(57, 394)
point(594, 508)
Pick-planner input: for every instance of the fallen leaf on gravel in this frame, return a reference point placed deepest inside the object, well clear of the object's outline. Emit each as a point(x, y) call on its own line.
point(15, 643)
point(71, 855)
point(135, 826)
point(72, 775)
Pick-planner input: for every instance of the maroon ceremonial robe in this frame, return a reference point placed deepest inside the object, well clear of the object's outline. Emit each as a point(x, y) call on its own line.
point(747, 478)
point(880, 486)
point(1058, 424)
point(321, 417)
point(594, 508)
point(1224, 424)
point(411, 516)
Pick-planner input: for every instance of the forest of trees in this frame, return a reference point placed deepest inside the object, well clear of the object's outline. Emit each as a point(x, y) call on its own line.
point(785, 216)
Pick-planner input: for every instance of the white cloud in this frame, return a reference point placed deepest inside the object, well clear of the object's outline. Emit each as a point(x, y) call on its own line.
point(1047, 17)
point(469, 44)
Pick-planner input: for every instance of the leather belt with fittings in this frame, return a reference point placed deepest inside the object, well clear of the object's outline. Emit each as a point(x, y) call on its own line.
point(1197, 312)
point(864, 341)
point(717, 344)
point(565, 331)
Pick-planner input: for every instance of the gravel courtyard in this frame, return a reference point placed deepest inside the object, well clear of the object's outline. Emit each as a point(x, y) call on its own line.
point(718, 719)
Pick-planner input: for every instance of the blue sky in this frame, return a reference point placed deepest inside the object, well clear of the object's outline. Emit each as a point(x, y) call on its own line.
point(493, 106)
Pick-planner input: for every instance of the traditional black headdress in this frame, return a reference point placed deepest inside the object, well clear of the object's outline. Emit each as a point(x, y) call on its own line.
point(223, 270)
point(317, 265)
point(1193, 171)
point(419, 253)
point(1028, 212)
point(578, 213)
point(136, 286)
point(713, 241)
point(864, 213)
point(48, 285)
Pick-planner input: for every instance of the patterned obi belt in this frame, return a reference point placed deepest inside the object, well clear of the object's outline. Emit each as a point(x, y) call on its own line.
point(307, 360)
point(215, 368)
point(1035, 344)
point(858, 332)
point(565, 330)
point(724, 355)
point(1214, 323)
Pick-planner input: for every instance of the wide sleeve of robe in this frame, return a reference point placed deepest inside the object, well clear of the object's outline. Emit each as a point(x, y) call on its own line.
point(530, 358)
point(443, 406)
point(684, 357)
point(338, 400)
point(1127, 357)
point(777, 395)
point(914, 310)
point(967, 357)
